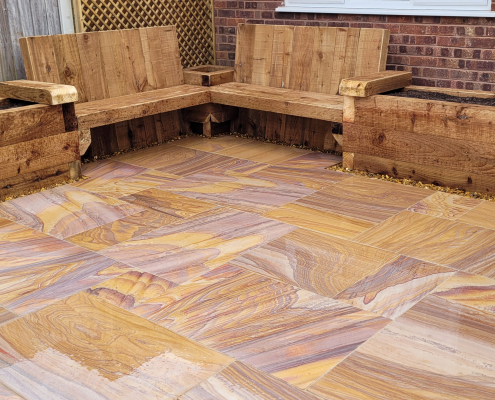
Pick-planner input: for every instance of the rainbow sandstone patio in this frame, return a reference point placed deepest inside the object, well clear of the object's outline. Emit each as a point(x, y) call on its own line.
point(235, 269)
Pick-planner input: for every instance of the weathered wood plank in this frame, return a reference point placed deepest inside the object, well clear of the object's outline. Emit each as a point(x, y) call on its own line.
point(378, 82)
point(291, 102)
point(91, 65)
point(16, 32)
point(45, 67)
point(262, 55)
point(109, 111)
point(323, 61)
point(39, 92)
point(69, 63)
point(29, 123)
point(31, 181)
point(283, 37)
point(7, 66)
point(302, 58)
point(39, 14)
point(429, 150)
point(438, 118)
point(372, 51)
point(39, 154)
point(469, 181)
point(53, 17)
point(218, 76)
point(244, 53)
point(162, 60)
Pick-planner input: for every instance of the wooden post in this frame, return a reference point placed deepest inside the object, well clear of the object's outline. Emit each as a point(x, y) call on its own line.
point(78, 17)
point(75, 170)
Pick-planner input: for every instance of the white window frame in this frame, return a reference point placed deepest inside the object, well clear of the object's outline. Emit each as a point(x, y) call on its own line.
point(444, 8)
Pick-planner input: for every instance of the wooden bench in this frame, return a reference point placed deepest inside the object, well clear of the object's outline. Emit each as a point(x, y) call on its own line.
point(130, 82)
point(297, 72)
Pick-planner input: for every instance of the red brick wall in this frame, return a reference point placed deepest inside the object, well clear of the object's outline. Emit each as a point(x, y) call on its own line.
point(440, 51)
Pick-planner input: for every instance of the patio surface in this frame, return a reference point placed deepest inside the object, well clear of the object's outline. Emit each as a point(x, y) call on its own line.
point(234, 269)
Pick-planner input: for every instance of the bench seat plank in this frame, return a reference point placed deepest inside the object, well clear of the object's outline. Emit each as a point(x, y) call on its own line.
point(124, 108)
point(284, 101)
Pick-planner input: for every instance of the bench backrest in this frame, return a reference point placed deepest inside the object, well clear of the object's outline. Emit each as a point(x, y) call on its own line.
point(106, 64)
point(307, 58)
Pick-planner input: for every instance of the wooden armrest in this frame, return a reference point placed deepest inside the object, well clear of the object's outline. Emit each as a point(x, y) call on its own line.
point(38, 92)
point(380, 82)
point(208, 75)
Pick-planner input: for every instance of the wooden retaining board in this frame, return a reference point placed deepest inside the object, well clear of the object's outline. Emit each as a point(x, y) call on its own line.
point(30, 122)
point(446, 143)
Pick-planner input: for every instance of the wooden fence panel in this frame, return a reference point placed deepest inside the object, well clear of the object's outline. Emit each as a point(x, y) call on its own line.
point(19, 18)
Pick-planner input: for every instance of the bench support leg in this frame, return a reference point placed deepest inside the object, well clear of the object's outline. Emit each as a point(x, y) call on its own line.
point(348, 160)
point(75, 170)
point(207, 128)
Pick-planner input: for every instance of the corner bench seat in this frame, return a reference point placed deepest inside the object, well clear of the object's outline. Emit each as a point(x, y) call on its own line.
point(284, 101)
point(117, 109)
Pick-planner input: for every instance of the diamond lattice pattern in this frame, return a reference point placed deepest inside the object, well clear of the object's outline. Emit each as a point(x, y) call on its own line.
point(193, 18)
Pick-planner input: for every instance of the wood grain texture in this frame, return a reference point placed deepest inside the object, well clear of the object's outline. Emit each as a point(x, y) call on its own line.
point(364, 199)
point(412, 358)
point(320, 221)
point(109, 353)
point(240, 382)
point(449, 243)
point(378, 82)
point(66, 211)
point(422, 149)
point(117, 109)
point(314, 261)
point(39, 154)
point(396, 287)
point(168, 203)
point(39, 92)
point(276, 334)
point(445, 205)
point(201, 243)
point(291, 102)
point(105, 65)
point(29, 123)
point(469, 290)
point(469, 181)
point(434, 118)
point(36, 180)
point(307, 58)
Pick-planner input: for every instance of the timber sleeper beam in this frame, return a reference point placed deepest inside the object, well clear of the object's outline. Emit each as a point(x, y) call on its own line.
point(380, 82)
point(39, 92)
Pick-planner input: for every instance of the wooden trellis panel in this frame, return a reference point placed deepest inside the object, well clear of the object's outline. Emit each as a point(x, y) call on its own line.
point(193, 18)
